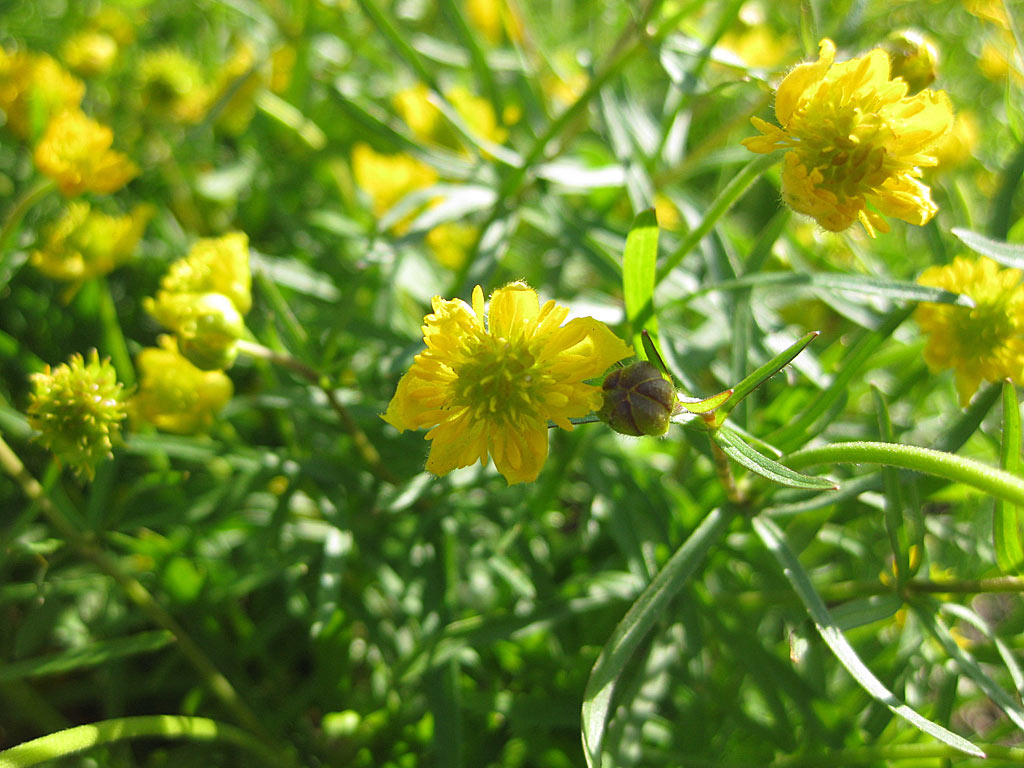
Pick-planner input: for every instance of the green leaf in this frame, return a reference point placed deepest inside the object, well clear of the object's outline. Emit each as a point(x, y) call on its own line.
point(635, 625)
point(653, 355)
point(762, 374)
point(1007, 254)
point(708, 404)
point(92, 655)
point(639, 262)
point(1009, 517)
point(893, 495)
point(774, 539)
point(896, 290)
point(746, 456)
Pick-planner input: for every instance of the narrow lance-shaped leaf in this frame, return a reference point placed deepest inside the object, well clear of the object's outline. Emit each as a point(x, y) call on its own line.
point(1007, 254)
point(1006, 524)
point(773, 538)
point(638, 621)
point(639, 262)
point(736, 449)
point(893, 495)
point(762, 374)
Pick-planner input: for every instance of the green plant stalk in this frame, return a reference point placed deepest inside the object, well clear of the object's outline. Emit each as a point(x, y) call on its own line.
point(994, 482)
point(80, 738)
point(11, 465)
point(22, 205)
point(729, 195)
point(113, 336)
point(362, 443)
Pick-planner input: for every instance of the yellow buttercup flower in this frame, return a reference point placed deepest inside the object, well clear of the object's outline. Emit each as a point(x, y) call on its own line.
point(389, 178)
point(490, 384)
point(34, 88)
point(90, 52)
point(172, 86)
point(84, 243)
point(174, 395)
point(214, 265)
point(856, 141)
point(75, 152)
point(983, 343)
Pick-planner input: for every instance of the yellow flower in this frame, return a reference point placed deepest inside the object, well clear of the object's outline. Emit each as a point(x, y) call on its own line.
point(84, 243)
point(985, 343)
point(478, 114)
point(78, 408)
point(492, 17)
point(758, 45)
point(389, 178)
point(90, 52)
point(34, 88)
point(75, 152)
point(241, 79)
point(451, 242)
point(855, 140)
point(174, 395)
point(172, 86)
point(214, 265)
point(490, 385)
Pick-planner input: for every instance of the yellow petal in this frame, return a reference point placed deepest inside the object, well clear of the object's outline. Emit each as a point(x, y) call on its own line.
point(793, 86)
point(519, 454)
point(512, 308)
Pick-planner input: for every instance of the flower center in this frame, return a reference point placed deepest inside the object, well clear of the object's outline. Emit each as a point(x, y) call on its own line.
point(500, 380)
point(984, 328)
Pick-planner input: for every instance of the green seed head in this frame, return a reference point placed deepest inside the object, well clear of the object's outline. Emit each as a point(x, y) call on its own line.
point(638, 400)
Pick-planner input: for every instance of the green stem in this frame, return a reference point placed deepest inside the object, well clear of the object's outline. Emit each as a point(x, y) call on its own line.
point(113, 335)
point(729, 195)
point(995, 482)
point(362, 443)
point(32, 195)
point(133, 588)
point(83, 737)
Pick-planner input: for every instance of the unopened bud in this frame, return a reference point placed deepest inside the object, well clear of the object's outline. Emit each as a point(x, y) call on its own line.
point(208, 326)
point(638, 400)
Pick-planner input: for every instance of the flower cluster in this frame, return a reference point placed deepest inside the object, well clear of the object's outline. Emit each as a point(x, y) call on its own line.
point(488, 383)
point(75, 152)
point(33, 89)
point(982, 343)
point(203, 297)
point(78, 408)
point(856, 141)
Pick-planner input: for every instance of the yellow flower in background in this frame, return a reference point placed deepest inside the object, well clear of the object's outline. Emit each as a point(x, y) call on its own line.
point(758, 45)
point(75, 152)
point(414, 107)
point(214, 265)
point(983, 343)
point(34, 88)
point(478, 114)
point(90, 52)
point(388, 178)
point(202, 299)
point(172, 86)
point(426, 122)
point(241, 78)
point(492, 17)
point(84, 243)
point(490, 384)
point(78, 408)
point(856, 141)
point(450, 243)
point(957, 146)
point(174, 395)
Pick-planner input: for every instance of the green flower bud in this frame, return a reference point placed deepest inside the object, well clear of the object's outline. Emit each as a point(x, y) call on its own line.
point(913, 57)
point(208, 326)
point(638, 400)
point(78, 408)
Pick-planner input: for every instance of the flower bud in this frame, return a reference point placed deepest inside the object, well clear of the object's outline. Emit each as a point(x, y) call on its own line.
point(208, 326)
point(78, 408)
point(913, 57)
point(638, 400)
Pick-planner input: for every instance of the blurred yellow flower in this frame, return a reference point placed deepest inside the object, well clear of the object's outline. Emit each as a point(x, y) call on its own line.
point(425, 121)
point(957, 146)
point(75, 152)
point(172, 86)
point(983, 343)
point(84, 243)
point(414, 107)
point(388, 178)
point(492, 17)
point(856, 141)
point(241, 78)
point(34, 88)
point(490, 384)
point(912, 56)
point(758, 45)
point(202, 299)
point(450, 243)
point(90, 52)
point(174, 395)
point(478, 114)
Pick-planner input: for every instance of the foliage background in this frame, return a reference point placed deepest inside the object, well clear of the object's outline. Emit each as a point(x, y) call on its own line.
point(455, 621)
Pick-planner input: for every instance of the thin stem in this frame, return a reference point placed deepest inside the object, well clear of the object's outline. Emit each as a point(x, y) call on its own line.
point(362, 443)
point(990, 480)
point(136, 592)
point(723, 467)
point(80, 738)
point(113, 335)
point(32, 195)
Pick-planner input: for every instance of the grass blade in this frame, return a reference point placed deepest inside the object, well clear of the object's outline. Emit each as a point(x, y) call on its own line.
point(744, 455)
point(639, 262)
point(638, 621)
point(1006, 524)
point(91, 655)
point(773, 538)
point(765, 372)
